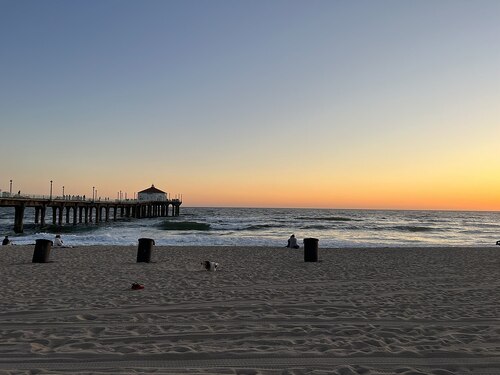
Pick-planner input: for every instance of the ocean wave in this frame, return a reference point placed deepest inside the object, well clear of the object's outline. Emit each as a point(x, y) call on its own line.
point(80, 228)
point(183, 225)
point(488, 225)
point(261, 226)
point(31, 228)
point(318, 227)
point(329, 218)
point(413, 228)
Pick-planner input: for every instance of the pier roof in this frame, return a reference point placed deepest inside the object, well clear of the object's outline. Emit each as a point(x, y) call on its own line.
point(152, 190)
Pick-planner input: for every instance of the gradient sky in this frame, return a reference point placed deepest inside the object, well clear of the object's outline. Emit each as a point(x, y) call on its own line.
point(269, 103)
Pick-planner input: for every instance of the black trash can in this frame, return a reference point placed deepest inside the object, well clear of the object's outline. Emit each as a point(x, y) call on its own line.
point(144, 250)
point(310, 249)
point(42, 251)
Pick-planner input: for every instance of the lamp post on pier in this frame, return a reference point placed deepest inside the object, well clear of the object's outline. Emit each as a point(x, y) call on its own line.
point(93, 193)
point(50, 189)
point(63, 191)
point(10, 190)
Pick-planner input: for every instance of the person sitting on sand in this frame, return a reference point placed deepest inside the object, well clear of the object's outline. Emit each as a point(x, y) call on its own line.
point(6, 241)
point(58, 241)
point(292, 242)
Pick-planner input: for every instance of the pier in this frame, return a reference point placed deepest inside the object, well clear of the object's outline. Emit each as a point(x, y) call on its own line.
point(70, 210)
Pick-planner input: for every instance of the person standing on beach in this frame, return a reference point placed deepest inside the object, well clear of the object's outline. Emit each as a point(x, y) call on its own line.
point(6, 241)
point(292, 242)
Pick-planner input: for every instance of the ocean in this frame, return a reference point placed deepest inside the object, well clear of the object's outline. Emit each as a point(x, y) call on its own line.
point(273, 226)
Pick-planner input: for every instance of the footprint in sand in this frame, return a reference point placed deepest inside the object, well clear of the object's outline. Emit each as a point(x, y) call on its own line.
point(40, 346)
point(86, 317)
point(97, 330)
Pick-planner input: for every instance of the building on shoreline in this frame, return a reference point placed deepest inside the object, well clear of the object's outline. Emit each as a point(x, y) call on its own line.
point(152, 194)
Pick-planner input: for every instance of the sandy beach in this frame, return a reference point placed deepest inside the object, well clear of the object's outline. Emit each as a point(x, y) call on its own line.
point(265, 311)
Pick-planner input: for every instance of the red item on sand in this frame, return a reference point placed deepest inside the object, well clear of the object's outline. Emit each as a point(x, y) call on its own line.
point(137, 286)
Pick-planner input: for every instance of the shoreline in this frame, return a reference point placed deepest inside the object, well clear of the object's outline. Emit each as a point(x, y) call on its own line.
point(272, 227)
point(329, 248)
point(356, 311)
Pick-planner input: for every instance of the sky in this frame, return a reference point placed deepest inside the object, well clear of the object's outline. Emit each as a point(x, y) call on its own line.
point(387, 104)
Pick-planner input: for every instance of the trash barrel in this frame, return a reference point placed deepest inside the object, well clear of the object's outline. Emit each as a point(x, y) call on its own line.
point(42, 251)
point(310, 249)
point(144, 250)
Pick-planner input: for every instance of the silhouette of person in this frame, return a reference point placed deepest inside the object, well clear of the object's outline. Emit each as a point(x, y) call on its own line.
point(292, 242)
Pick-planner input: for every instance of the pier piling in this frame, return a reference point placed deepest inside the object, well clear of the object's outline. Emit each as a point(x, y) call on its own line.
point(18, 219)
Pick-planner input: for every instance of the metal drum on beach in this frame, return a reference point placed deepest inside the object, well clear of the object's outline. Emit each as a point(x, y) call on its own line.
point(42, 251)
point(144, 250)
point(311, 249)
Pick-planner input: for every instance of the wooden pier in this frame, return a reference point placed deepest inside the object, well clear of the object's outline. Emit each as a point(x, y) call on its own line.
point(74, 211)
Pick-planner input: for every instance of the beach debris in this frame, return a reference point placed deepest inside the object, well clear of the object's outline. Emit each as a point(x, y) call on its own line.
point(210, 266)
point(137, 286)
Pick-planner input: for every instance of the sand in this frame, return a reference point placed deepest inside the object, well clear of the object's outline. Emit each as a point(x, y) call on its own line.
point(357, 311)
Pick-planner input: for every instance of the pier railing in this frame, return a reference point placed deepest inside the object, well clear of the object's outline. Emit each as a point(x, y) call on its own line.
point(74, 198)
